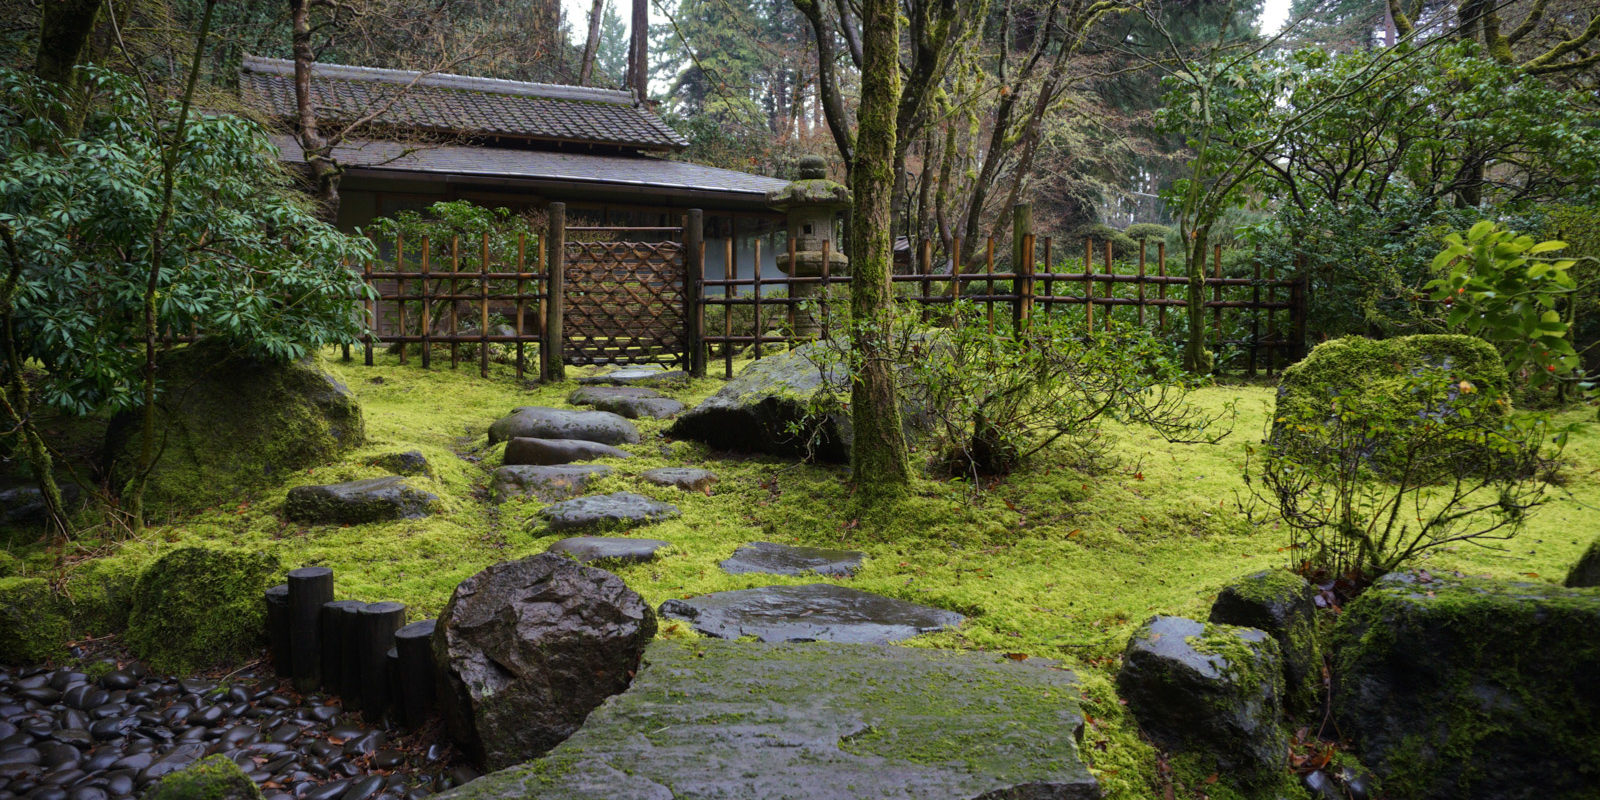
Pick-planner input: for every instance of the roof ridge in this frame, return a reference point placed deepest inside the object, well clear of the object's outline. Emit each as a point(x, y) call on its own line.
point(442, 80)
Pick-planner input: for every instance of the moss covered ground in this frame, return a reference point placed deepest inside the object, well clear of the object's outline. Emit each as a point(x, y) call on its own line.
point(1048, 562)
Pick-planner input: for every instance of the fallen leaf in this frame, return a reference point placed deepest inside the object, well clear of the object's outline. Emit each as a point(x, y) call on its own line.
point(1017, 656)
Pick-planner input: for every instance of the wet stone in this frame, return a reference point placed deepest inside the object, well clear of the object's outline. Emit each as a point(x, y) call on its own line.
point(548, 484)
point(638, 376)
point(811, 612)
point(782, 559)
point(616, 510)
point(617, 549)
point(689, 479)
point(633, 402)
point(531, 451)
point(556, 423)
point(356, 502)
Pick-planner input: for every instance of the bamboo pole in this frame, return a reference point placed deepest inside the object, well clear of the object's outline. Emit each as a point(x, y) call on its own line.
point(1049, 281)
point(756, 277)
point(372, 311)
point(955, 269)
point(1110, 285)
point(988, 289)
point(1088, 285)
point(522, 265)
point(1161, 287)
point(1216, 294)
point(1140, 284)
point(483, 308)
point(427, 311)
point(453, 315)
point(790, 285)
point(400, 290)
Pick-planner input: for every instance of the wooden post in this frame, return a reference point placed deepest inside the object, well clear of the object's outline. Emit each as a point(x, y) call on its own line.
point(374, 635)
point(372, 313)
point(988, 287)
point(1216, 294)
point(1111, 285)
point(453, 316)
point(1050, 279)
point(415, 700)
point(1088, 285)
point(1025, 286)
point(399, 292)
point(522, 252)
point(427, 310)
point(756, 276)
point(1255, 316)
point(955, 270)
point(827, 267)
point(1298, 301)
point(277, 599)
point(694, 286)
point(925, 266)
point(334, 634)
point(790, 290)
point(1272, 320)
point(309, 588)
point(542, 309)
point(483, 308)
point(349, 670)
point(555, 279)
point(1140, 283)
point(1021, 250)
point(1161, 288)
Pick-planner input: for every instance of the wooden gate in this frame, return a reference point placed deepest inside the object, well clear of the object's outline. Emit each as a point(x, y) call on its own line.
point(626, 300)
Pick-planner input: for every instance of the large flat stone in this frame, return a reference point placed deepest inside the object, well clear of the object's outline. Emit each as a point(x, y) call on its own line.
point(589, 549)
point(527, 450)
point(547, 483)
point(633, 402)
point(639, 376)
point(782, 559)
point(712, 719)
point(689, 479)
point(615, 510)
point(354, 502)
point(539, 422)
point(813, 612)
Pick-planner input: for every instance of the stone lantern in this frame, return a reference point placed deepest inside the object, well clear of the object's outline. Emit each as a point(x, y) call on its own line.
point(811, 204)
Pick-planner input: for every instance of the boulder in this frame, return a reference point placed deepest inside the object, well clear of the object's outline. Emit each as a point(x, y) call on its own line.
point(410, 462)
point(1285, 606)
point(639, 376)
point(616, 510)
point(782, 559)
point(1587, 571)
point(1381, 375)
point(688, 479)
point(198, 606)
point(229, 424)
point(22, 506)
point(526, 649)
point(547, 483)
point(356, 502)
point(613, 549)
point(32, 626)
point(818, 721)
point(814, 612)
point(1459, 687)
point(1211, 692)
point(211, 778)
point(549, 452)
point(769, 408)
point(557, 423)
point(633, 402)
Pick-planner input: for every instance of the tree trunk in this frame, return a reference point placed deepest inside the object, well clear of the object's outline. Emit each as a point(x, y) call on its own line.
point(639, 50)
point(318, 152)
point(878, 452)
point(19, 403)
point(591, 45)
point(1196, 358)
point(64, 29)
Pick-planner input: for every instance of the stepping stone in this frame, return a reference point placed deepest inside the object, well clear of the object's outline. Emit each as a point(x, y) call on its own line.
point(688, 479)
point(411, 462)
point(355, 502)
point(547, 452)
point(818, 722)
point(632, 402)
point(559, 423)
point(810, 613)
point(639, 376)
point(608, 548)
point(617, 510)
point(589, 395)
point(781, 559)
point(547, 483)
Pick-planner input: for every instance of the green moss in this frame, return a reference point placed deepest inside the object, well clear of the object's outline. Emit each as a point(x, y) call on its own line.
point(198, 606)
point(1587, 571)
point(32, 627)
point(98, 594)
point(10, 565)
point(211, 778)
point(1381, 369)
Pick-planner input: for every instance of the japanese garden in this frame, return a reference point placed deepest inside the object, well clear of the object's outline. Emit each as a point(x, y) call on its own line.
point(638, 400)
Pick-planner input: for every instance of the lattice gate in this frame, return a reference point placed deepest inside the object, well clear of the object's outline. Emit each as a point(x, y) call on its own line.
point(626, 301)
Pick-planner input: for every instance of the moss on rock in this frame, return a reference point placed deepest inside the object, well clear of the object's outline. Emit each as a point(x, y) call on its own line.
point(211, 778)
point(1284, 605)
point(1587, 571)
point(230, 424)
point(32, 627)
point(198, 606)
point(99, 594)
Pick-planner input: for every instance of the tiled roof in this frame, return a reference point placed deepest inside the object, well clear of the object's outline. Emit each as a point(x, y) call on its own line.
point(499, 162)
point(462, 104)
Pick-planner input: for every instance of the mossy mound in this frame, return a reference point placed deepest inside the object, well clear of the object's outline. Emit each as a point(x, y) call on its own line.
point(230, 424)
point(1284, 605)
point(211, 778)
point(197, 606)
point(1461, 687)
point(99, 594)
point(1380, 378)
point(1148, 231)
point(1587, 571)
point(32, 627)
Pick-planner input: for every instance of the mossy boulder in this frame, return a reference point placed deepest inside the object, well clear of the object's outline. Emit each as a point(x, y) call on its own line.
point(229, 423)
point(1285, 606)
point(99, 594)
point(1210, 693)
point(1587, 571)
point(776, 406)
point(1462, 687)
point(211, 778)
point(357, 502)
point(198, 606)
point(32, 627)
point(1379, 379)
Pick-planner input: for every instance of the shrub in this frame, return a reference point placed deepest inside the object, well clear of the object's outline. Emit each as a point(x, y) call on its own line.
point(1150, 232)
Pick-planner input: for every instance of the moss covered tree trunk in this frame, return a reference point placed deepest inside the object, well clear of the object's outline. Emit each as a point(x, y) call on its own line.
point(64, 29)
point(318, 151)
point(878, 451)
point(1196, 358)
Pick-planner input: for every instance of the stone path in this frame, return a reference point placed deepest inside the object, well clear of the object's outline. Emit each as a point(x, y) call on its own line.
point(711, 719)
point(810, 613)
point(616, 549)
point(782, 559)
